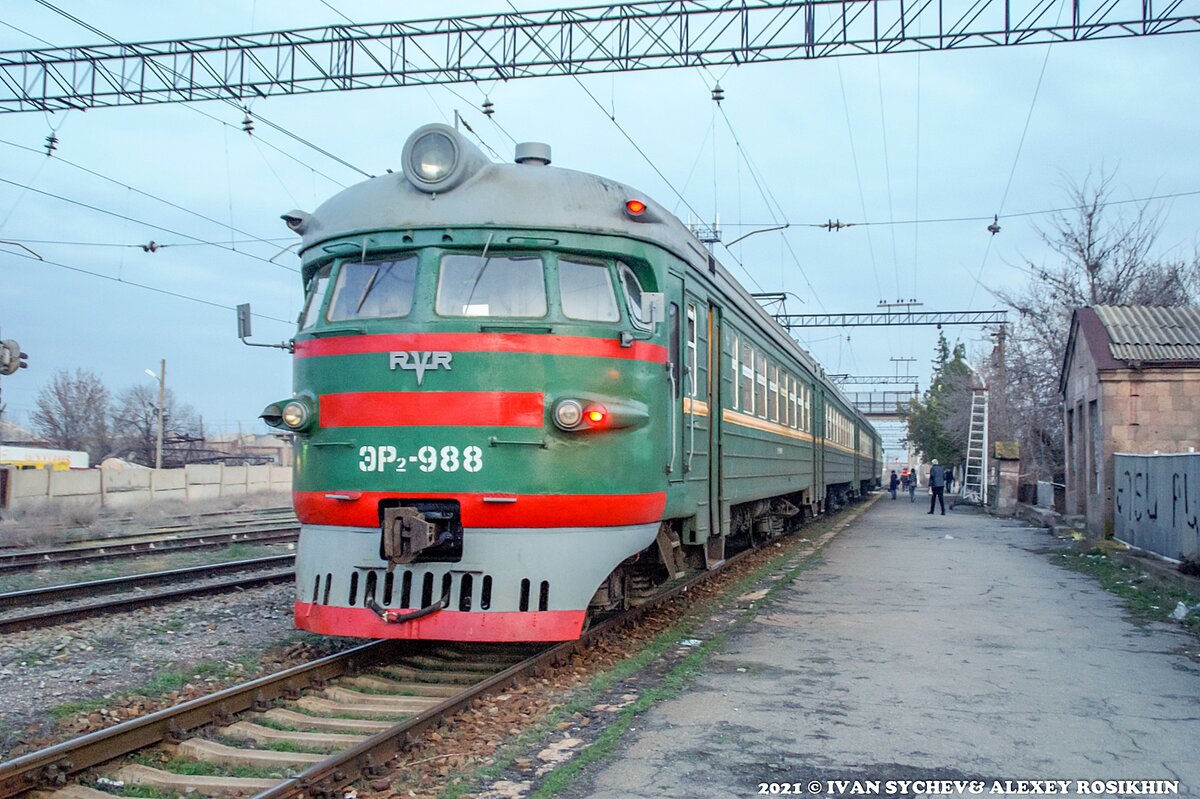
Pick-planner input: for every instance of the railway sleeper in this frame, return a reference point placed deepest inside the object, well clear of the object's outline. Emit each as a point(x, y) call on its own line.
point(256, 733)
point(370, 682)
point(332, 708)
point(305, 723)
point(418, 675)
point(213, 752)
point(188, 783)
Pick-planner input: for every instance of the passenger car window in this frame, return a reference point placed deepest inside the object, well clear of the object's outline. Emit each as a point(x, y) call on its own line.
point(316, 293)
point(492, 285)
point(373, 290)
point(587, 291)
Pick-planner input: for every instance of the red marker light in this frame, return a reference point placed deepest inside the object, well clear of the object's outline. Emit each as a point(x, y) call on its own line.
point(635, 207)
point(595, 414)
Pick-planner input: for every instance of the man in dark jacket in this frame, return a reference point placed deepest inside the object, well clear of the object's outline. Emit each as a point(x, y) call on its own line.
point(893, 483)
point(937, 486)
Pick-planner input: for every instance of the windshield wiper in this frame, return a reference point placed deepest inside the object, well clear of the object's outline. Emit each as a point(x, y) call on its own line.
point(366, 291)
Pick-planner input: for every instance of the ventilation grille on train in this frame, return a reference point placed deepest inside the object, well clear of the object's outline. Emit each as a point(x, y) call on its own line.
point(403, 590)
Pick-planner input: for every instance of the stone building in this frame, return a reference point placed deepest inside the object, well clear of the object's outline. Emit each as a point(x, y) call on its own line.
point(1130, 383)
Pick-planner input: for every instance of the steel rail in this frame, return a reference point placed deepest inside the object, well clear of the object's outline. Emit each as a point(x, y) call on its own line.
point(144, 545)
point(51, 767)
point(49, 618)
point(92, 587)
point(369, 757)
point(221, 520)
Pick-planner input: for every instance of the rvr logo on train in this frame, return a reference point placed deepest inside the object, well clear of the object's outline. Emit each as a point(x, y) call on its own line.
point(420, 362)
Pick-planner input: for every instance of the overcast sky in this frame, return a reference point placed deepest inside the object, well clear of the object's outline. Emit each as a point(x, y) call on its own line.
point(904, 138)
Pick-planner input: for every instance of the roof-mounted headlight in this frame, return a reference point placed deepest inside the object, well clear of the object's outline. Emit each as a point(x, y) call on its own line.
point(437, 158)
point(433, 156)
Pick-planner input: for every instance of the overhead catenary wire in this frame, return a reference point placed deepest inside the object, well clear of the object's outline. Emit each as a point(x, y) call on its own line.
point(122, 281)
point(862, 202)
point(887, 175)
point(266, 143)
point(769, 198)
point(1016, 159)
point(143, 222)
point(976, 218)
point(430, 94)
point(649, 161)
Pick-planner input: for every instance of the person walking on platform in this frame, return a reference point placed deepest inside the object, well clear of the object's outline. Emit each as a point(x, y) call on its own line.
point(937, 486)
point(912, 486)
point(892, 483)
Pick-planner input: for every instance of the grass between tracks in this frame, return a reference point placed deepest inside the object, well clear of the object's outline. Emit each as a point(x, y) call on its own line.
point(668, 685)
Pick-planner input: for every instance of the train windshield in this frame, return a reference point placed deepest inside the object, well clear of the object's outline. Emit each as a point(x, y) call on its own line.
point(491, 285)
point(587, 291)
point(373, 290)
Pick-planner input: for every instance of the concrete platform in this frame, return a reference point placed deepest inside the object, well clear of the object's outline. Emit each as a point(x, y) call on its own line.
point(924, 648)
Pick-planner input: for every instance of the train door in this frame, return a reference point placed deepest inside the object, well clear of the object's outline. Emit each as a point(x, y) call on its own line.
point(677, 379)
point(818, 430)
point(715, 549)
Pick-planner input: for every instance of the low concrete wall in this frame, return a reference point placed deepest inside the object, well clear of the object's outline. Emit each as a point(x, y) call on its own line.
point(1156, 503)
point(131, 487)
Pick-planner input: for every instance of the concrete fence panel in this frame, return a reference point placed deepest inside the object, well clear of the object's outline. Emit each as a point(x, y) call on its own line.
point(1156, 503)
point(281, 478)
point(233, 481)
point(203, 481)
point(29, 484)
point(170, 484)
point(119, 481)
point(133, 487)
point(82, 483)
point(126, 488)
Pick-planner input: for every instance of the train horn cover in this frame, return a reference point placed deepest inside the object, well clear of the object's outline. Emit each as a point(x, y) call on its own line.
point(437, 158)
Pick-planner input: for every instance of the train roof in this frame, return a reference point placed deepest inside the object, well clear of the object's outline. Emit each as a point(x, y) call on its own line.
point(530, 194)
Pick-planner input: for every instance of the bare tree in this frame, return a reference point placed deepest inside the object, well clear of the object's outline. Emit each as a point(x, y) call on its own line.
point(135, 424)
point(1106, 258)
point(72, 413)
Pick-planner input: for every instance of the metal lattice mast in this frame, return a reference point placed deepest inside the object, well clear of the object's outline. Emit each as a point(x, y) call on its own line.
point(578, 41)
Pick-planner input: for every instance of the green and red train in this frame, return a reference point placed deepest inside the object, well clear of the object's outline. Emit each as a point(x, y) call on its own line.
point(525, 393)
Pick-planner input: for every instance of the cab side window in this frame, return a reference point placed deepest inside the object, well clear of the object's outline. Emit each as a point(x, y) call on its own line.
point(316, 294)
point(633, 296)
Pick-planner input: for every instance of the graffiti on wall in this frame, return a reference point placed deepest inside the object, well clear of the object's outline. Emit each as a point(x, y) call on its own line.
point(1156, 502)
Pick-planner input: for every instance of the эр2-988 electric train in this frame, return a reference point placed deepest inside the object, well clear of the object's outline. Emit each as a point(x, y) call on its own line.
point(524, 392)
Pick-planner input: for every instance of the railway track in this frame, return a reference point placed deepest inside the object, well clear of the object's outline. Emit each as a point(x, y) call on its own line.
point(349, 714)
point(152, 543)
point(312, 729)
point(139, 591)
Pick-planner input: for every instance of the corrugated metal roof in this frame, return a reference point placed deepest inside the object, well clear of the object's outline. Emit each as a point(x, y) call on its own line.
point(1152, 332)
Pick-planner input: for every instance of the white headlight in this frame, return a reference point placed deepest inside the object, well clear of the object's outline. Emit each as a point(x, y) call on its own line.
point(433, 156)
point(295, 414)
point(567, 414)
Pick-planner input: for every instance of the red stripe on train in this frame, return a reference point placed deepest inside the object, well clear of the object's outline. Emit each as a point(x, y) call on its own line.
point(433, 409)
point(445, 625)
point(539, 344)
point(361, 508)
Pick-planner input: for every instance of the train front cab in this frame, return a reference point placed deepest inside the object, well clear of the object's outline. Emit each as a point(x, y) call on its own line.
point(483, 444)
